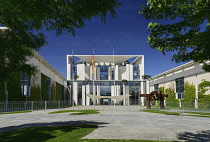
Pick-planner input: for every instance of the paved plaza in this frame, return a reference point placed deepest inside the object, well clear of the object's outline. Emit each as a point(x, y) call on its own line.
point(119, 124)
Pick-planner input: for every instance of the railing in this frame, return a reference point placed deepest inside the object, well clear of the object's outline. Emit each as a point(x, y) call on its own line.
point(134, 105)
point(32, 105)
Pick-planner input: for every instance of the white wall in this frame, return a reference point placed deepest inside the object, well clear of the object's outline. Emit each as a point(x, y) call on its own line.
point(45, 68)
point(192, 73)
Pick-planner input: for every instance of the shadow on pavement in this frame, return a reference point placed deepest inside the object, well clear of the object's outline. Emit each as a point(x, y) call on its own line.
point(9, 128)
point(200, 136)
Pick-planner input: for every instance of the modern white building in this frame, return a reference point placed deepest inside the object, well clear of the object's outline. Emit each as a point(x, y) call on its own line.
point(111, 76)
point(175, 79)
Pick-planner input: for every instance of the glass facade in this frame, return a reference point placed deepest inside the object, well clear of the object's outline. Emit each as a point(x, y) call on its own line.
point(112, 72)
point(156, 87)
point(25, 84)
point(105, 89)
point(48, 87)
point(180, 87)
point(136, 72)
point(134, 91)
point(74, 71)
point(103, 72)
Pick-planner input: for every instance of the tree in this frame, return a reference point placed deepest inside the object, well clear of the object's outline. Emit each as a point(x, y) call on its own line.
point(27, 20)
point(76, 76)
point(183, 26)
point(146, 76)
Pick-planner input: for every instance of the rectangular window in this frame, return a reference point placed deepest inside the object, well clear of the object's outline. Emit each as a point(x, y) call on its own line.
point(48, 87)
point(156, 87)
point(103, 72)
point(25, 84)
point(74, 71)
point(180, 88)
point(135, 72)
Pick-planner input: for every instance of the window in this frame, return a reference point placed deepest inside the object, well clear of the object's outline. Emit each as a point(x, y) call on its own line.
point(112, 72)
point(48, 87)
point(103, 72)
point(25, 84)
point(74, 71)
point(156, 87)
point(135, 72)
point(180, 88)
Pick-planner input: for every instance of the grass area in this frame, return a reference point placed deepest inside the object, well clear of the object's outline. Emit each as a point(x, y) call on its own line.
point(199, 114)
point(78, 112)
point(70, 133)
point(15, 112)
point(161, 112)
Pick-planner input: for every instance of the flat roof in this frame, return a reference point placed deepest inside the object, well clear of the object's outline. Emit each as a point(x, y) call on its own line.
point(116, 59)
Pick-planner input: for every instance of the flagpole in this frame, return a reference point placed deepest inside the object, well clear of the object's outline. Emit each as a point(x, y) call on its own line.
point(93, 77)
point(114, 78)
point(72, 100)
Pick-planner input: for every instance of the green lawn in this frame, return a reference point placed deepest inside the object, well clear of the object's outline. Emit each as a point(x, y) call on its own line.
point(70, 133)
point(78, 112)
point(15, 112)
point(161, 112)
point(199, 114)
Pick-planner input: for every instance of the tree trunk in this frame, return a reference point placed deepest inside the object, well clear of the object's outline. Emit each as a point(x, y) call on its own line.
point(6, 94)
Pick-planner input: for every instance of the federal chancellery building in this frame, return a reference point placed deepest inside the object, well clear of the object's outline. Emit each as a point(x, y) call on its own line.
point(117, 79)
point(105, 79)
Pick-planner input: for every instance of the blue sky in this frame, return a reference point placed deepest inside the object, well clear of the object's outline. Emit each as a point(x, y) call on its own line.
point(126, 35)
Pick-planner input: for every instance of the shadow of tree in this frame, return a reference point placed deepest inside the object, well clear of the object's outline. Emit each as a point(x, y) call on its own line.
point(9, 128)
point(200, 136)
point(41, 132)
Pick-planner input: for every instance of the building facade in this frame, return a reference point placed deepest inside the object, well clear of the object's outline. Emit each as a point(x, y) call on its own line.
point(46, 84)
point(110, 76)
point(186, 82)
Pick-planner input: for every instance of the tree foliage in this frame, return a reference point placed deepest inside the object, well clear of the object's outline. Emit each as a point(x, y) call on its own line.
point(59, 15)
point(146, 76)
point(27, 19)
point(203, 87)
point(182, 26)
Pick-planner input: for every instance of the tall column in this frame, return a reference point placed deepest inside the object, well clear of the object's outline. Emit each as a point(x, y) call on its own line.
point(83, 95)
point(87, 92)
point(116, 74)
point(68, 68)
point(143, 91)
point(131, 72)
point(98, 94)
point(75, 93)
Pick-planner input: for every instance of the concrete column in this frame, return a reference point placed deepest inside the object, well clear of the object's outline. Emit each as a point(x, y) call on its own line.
point(97, 73)
point(126, 92)
point(143, 91)
point(127, 72)
point(81, 71)
point(116, 73)
point(68, 69)
point(112, 94)
point(109, 73)
point(75, 93)
point(131, 72)
point(83, 95)
point(98, 94)
point(87, 92)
